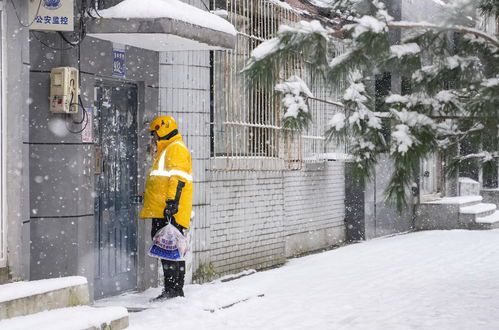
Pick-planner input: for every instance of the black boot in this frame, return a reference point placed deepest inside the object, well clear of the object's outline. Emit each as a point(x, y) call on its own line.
point(174, 273)
point(179, 285)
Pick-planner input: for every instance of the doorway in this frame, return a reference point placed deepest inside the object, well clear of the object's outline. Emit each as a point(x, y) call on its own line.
point(116, 188)
point(429, 175)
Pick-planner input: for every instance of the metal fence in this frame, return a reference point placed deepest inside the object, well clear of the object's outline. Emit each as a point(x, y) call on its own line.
point(247, 129)
point(489, 25)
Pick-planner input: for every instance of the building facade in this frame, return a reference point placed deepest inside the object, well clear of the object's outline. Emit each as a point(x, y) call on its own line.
point(71, 183)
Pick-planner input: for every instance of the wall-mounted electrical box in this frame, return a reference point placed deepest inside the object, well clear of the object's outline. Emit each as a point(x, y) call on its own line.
point(64, 90)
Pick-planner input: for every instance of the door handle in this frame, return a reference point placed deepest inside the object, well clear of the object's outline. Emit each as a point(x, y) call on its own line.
point(136, 199)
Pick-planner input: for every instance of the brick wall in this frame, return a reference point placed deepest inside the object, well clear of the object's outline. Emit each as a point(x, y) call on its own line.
point(246, 220)
point(314, 209)
point(259, 218)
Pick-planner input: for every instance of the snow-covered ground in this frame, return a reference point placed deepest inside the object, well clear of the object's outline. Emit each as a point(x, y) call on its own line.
point(425, 280)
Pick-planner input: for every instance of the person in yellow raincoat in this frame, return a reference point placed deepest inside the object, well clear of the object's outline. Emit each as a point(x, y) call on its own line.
point(168, 194)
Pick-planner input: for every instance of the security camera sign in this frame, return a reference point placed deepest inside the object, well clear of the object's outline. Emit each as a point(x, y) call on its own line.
point(51, 15)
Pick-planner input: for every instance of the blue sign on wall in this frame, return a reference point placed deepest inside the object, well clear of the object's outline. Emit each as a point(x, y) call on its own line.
point(119, 63)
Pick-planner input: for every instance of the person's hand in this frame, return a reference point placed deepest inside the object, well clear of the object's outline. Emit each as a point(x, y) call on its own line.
point(170, 209)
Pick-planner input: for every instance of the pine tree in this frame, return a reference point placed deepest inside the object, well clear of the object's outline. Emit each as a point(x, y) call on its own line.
point(452, 70)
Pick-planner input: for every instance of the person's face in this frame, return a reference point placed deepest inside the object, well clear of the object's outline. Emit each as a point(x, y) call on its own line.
point(153, 142)
point(154, 137)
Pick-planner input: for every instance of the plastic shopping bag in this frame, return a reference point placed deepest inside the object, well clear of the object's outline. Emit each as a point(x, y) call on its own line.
point(169, 244)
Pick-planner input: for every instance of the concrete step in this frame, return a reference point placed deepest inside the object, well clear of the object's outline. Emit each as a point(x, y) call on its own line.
point(72, 318)
point(468, 215)
point(461, 201)
point(443, 213)
point(479, 210)
point(488, 222)
point(24, 298)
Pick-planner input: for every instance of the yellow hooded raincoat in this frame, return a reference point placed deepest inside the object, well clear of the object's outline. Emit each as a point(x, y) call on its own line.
point(171, 165)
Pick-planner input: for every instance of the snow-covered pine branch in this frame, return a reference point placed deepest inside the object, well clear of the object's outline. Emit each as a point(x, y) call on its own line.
point(443, 28)
point(294, 101)
point(453, 91)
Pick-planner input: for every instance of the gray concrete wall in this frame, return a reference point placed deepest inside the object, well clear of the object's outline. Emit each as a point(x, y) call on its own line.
point(16, 135)
point(61, 184)
point(381, 217)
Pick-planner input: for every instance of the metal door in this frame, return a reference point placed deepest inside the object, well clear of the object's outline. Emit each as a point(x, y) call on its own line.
point(116, 184)
point(429, 175)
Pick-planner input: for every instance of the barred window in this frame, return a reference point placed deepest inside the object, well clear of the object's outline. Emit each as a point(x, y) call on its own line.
point(246, 126)
point(310, 146)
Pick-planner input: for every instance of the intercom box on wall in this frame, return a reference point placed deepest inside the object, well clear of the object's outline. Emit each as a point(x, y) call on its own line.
point(64, 90)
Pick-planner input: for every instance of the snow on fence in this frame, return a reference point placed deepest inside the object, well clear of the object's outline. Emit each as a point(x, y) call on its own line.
point(247, 119)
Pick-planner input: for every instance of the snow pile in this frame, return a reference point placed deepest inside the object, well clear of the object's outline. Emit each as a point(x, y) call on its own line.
point(304, 27)
point(338, 60)
point(281, 4)
point(266, 48)
point(338, 121)
point(413, 119)
point(17, 290)
point(220, 13)
point(173, 9)
point(397, 98)
point(300, 29)
point(367, 24)
point(356, 91)
point(72, 318)
point(425, 280)
point(467, 180)
point(322, 3)
point(402, 137)
point(440, 3)
point(452, 62)
point(295, 93)
point(445, 96)
point(400, 51)
point(485, 156)
point(373, 121)
point(356, 94)
point(492, 82)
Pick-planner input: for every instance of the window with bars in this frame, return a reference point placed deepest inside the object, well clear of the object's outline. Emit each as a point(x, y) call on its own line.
point(246, 126)
point(310, 146)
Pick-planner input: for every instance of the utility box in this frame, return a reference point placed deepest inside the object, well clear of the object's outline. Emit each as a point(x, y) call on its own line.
point(64, 90)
